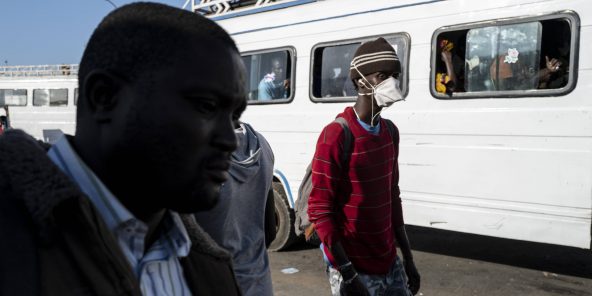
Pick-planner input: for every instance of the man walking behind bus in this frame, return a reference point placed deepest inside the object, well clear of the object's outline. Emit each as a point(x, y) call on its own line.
point(355, 204)
point(103, 212)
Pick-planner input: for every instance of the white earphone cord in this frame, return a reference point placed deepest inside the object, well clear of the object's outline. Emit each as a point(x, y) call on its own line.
point(373, 90)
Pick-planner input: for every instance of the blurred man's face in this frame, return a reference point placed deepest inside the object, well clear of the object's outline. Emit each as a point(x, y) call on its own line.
point(277, 69)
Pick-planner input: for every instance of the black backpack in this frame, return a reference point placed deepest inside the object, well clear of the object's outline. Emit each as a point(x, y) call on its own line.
point(302, 224)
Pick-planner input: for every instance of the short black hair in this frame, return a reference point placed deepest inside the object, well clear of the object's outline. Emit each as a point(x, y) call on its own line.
point(142, 37)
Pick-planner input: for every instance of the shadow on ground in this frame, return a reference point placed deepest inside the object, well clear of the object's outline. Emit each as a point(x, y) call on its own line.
point(299, 245)
point(544, 257)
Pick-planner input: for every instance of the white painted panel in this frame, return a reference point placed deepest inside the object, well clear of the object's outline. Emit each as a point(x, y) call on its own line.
point(498, 223)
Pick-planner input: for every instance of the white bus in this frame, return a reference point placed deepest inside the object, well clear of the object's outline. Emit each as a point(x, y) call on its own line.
point(40, 99)
point(509, 154)
point(509, 160)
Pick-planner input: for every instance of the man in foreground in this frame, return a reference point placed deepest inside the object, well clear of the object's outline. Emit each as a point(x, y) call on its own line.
point(355, 201)
point(103, 212)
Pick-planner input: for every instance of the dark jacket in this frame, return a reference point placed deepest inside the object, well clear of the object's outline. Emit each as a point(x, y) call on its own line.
point(53, 241)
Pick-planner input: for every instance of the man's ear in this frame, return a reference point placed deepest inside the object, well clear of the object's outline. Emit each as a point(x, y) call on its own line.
point(101, 89)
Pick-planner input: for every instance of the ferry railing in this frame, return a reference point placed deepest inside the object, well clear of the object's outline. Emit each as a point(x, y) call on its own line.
point(39, 71)
point(215, 8)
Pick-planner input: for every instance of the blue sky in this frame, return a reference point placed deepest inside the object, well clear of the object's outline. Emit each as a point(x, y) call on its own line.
point(36, 32)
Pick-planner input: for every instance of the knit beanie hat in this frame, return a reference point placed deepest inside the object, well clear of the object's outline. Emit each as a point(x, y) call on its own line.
point(374, 56)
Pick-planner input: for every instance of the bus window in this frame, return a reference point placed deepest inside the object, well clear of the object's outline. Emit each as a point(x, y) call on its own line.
point(506, 59)
point(75, 96)
point(50, 97)
point(13, 97)
point(331, 62)
point(331, 71)
point(509, 55)
point(269, 76)
point(58, 97)
point(40, 97)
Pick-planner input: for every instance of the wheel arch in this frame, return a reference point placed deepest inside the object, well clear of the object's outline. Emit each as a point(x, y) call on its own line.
point(280, 177)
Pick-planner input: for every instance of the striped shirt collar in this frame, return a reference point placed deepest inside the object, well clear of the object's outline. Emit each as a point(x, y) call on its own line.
point(114, 214)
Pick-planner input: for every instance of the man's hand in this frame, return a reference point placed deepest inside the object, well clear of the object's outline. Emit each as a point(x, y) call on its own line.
point(553, 65)
point(353, 288)
point(412, 275)
point(351, 285)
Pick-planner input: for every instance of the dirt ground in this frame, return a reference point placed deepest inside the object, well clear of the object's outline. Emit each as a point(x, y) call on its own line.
point(457, 264)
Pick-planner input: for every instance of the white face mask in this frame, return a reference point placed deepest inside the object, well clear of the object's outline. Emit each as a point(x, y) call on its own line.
point(385, 93)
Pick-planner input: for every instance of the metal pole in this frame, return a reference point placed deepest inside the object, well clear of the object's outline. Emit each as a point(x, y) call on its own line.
point(7, 117)
point(114, 6)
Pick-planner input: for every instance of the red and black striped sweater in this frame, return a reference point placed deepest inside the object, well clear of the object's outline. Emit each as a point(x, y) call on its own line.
point(359, 206)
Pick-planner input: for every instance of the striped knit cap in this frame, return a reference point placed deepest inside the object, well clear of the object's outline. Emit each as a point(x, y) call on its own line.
point(374, 56)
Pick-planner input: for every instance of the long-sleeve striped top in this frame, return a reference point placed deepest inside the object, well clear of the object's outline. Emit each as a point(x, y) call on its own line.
point(357, 204)
point(157, 269)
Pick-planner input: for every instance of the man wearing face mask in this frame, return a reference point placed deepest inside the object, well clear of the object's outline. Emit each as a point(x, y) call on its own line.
point(355, 203)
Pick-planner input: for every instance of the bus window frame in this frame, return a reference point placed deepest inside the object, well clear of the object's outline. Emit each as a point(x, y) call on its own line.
point(292, 52)
point(568, 15)
point(67, 98)
point(26, 97)
point(49, 97)
point(361, 40)
point(33, 97)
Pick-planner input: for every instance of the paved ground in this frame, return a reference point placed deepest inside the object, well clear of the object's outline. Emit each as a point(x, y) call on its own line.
point(459, 264)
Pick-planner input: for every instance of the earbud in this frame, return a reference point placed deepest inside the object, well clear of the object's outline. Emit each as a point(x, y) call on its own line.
point(362, 83)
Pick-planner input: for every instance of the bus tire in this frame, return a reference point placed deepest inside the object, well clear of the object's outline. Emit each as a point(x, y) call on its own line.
point(284, 216)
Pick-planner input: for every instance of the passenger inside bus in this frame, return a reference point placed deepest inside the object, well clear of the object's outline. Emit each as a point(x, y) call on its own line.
point(274, 85)
point(508, 73)
point(535, 62)
point(516, 76)
point(556, 42)
point(333, 84)
point(335, 80)
point(450, 67)
point(525, 56)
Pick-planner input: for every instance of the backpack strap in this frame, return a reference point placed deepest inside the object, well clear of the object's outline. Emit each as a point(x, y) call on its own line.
point(393, 131)
point(347, 140)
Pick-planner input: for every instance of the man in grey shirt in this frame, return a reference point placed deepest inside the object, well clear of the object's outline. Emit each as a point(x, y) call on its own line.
point(243, 221)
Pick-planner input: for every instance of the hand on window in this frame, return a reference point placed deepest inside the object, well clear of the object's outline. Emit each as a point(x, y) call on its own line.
point(553, 65)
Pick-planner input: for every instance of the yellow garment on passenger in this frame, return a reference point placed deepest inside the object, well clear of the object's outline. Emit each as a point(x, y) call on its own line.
point(441, 80)
point(446, 45)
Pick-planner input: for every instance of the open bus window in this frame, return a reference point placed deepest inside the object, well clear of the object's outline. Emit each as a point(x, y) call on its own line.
point(331, 71)
point(509, 59)
point(50, 97)
point(331, 62)
point(13, 97)
point(269, 76)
